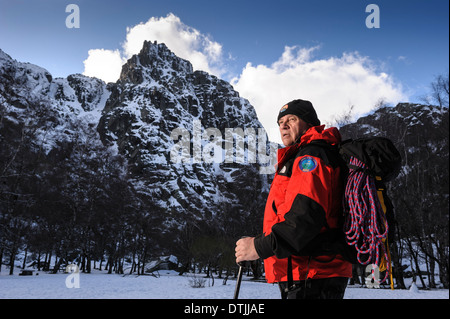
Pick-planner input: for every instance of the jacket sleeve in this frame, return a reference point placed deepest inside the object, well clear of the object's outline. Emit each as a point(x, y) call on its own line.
point(306, 203)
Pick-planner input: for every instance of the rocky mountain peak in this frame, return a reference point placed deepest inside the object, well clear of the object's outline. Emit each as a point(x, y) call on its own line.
point(159, 107)
point(154, 62)
point(158, 104)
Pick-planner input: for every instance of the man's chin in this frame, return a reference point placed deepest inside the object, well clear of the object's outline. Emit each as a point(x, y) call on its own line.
point(287, 142)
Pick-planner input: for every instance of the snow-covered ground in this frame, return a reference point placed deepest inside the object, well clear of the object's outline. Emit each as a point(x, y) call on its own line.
point(168, 286)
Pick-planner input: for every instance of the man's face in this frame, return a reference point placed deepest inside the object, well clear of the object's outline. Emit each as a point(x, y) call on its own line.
point(291, 127)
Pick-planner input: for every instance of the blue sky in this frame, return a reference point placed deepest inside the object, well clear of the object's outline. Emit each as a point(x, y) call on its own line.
point(259, 43)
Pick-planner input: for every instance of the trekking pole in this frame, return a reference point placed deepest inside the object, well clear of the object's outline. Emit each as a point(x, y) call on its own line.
point(239, 280)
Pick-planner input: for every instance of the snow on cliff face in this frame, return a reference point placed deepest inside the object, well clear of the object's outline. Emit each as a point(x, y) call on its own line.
point(23, 84)
point(177, 126)
point(193, 144)
point(27, 91)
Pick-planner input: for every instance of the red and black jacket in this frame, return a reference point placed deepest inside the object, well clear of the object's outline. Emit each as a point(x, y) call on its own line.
point(303, 211)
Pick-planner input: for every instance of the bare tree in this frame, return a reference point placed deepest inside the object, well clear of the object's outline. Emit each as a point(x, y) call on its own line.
point(439, 91)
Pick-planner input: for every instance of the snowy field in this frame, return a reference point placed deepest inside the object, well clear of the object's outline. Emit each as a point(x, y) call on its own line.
point(168, 286)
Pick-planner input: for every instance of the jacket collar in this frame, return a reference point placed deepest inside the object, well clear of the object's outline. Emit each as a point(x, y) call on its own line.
point(330, 135)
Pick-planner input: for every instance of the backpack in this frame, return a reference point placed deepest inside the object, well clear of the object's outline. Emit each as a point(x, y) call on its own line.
point(367, 163)
point(371, 162)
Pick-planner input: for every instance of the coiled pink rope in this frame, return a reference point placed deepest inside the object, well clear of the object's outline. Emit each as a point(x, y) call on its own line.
point(366, 225)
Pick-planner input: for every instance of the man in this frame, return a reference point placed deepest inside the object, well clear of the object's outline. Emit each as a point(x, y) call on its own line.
point(302, 237)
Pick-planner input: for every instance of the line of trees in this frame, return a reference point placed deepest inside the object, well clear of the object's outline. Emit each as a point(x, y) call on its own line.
point(79, 203)
point(419, 236)
point(421, 195)
point(421, 199)
point(75, 202)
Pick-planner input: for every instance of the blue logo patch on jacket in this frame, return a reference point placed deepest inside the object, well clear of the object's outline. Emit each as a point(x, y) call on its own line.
point(307, 164)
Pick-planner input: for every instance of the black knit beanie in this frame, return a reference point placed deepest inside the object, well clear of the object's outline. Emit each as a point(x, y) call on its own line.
point(303, 109)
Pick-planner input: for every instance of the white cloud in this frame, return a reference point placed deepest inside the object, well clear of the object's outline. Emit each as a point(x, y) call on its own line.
point(186, 42)
point(331, 84)
point(104, 64)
